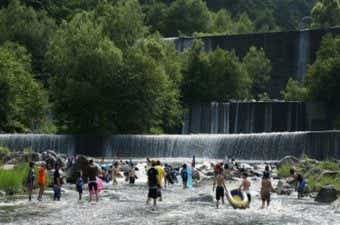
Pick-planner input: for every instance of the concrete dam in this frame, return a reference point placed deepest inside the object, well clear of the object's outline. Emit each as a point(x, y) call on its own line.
point(290, 52)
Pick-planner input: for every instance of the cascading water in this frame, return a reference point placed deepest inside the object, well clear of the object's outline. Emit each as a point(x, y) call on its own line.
point(262, 146)
point(38, 142)
point(303, 55)
point(245, 117)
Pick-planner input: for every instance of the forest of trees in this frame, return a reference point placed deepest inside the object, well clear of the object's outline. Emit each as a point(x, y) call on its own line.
point(102, 66)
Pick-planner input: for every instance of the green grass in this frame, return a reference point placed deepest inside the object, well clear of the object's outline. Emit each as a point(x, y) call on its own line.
point(12, 181)
point(284, 171)
point(315, 185)
point(4, 151)
point(329, 165)
point(313, 178)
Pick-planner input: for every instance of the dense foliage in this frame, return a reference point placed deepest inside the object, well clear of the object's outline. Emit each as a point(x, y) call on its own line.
point(23, 100)
point(221, 76)
point(323, 80)
point(105, 67)
point(326, 13)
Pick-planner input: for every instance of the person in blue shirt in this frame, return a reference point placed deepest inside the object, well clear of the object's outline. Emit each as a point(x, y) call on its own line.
point(301, 186)
point(184, 175)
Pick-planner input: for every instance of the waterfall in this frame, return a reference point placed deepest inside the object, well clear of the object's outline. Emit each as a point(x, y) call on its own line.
point(303, 55)
point(38, 142)
point(245, 117)
point(261, 146)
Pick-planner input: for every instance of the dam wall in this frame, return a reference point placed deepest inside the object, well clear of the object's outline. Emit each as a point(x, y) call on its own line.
point(261, 146)
point(290, 52)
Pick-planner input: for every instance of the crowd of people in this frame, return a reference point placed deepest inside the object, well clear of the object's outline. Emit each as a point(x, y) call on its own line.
point(158, 177)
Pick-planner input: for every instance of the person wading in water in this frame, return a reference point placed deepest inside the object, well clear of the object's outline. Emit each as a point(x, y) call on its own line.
point(93, 172)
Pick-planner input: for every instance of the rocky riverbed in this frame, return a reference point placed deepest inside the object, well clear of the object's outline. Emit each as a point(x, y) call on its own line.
point(125, 204)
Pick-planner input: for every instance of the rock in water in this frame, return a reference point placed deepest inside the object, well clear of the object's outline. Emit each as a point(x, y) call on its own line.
point(195, 175)
point(288, 160)
point(283, 188)
point(81, 164)
point(201, 198)
point(327, 194)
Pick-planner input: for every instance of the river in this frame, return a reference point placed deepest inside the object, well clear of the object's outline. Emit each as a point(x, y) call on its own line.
point(125, 205)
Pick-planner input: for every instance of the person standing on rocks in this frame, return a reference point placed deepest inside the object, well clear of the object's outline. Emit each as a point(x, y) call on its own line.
point(57, 182)
point(220, 187)
point(41, 180)
point(153, 184)
point(93, 172)
point(30, 180)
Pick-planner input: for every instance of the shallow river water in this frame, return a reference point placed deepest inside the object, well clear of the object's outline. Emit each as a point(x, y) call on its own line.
point(125, 205)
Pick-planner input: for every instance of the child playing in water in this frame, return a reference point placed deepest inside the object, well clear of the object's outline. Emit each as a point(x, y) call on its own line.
point(30, 180)
point(245, 185)
point(79, 185)
point(266, 189)
point(41, 180)
point(184, 175)
point(220, 187)
point(132, 174)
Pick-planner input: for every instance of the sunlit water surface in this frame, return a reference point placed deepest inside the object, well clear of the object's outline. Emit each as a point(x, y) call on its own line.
point(125, 204)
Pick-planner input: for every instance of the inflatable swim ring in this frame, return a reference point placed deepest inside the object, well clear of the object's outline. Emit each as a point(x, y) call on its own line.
point(237, 199)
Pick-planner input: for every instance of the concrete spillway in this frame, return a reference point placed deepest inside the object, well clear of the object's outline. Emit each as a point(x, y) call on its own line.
point(265, 146)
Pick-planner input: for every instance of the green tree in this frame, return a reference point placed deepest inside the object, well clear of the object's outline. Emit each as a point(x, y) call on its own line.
point(323, 78)
point(214, 76)
point(32, 29)
point(187, 17)
point(97, 88)
point(294, 91)
point(222, 22)
point(326, 13)
point(122, 21)
point(23, 100)
point(84, 64)
point(258, 67)
point(155, 16)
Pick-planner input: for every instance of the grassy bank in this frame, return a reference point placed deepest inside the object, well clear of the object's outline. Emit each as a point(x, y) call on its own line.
point(13, 181)
point(318, 174)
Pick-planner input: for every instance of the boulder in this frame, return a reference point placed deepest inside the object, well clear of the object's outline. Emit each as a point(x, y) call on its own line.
point(7, 167)
point(81, 164)
point(195, 175)
point(327, 173)
point(209, 174)
point(313, 171)
point(288, 161)
point(283, 188)
point(327, 194)
point(201, 198)
point(50, 161)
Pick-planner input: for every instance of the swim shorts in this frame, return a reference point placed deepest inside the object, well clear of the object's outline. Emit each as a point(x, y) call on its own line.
point(219, 193)
point(153, 192)
point(265, 196)
point(93, 185)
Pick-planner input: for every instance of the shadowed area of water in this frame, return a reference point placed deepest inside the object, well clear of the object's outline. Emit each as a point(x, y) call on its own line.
point(125, 205)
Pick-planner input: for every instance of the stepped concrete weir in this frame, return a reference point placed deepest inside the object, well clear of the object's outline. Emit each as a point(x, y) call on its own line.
point(260, 146)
